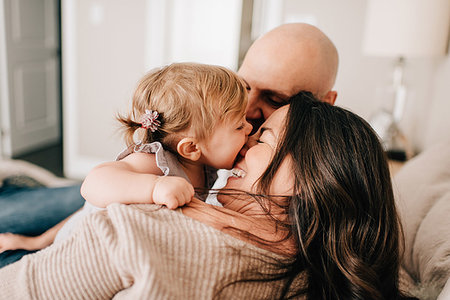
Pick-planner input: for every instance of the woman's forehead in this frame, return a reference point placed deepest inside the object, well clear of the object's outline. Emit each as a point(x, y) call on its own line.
point(276, 119)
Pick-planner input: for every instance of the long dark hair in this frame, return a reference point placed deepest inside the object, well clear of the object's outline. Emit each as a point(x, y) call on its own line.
point(342, 215)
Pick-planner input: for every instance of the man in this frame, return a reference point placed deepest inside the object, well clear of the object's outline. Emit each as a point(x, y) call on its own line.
point(289, 59)
point(285, 61)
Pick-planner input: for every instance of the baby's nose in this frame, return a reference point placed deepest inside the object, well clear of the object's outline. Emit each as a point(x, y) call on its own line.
point(248, 128)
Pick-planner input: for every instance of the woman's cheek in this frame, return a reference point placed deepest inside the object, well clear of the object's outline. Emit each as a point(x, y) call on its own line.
point(283, 182)
point(256, 168)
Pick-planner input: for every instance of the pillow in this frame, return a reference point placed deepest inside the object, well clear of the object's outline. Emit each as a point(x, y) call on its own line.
point(422, 190)
point(10, 168)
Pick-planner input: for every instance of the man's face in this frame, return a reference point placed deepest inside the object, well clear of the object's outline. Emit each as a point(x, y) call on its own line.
point(269, 88)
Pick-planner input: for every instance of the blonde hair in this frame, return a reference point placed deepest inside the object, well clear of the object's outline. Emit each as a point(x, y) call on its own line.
point(186, 95)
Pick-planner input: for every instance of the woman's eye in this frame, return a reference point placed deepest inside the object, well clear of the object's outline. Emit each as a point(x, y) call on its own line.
point(259, 141)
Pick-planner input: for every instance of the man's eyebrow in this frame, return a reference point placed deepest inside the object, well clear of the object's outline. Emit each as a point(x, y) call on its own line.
point(269, 92)
point(275, 93)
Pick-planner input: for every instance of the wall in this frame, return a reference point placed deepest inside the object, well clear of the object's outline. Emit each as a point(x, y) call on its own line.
point(360, 79)
point(439, 122)
point(102, 57)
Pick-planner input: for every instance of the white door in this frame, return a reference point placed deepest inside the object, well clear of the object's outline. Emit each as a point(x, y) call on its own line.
point(32, 92)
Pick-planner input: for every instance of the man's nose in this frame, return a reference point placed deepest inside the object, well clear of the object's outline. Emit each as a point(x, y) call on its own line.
point(253, 108)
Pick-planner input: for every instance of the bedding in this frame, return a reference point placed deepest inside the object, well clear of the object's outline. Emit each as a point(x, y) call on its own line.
point(30, 174)
point(422, 190)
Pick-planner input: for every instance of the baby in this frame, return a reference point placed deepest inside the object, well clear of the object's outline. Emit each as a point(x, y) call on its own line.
point(189, 120)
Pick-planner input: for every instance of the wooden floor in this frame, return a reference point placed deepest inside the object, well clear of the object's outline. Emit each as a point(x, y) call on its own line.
point(49, 158)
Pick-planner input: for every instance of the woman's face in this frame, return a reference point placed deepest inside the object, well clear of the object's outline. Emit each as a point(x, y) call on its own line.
point(261, 148)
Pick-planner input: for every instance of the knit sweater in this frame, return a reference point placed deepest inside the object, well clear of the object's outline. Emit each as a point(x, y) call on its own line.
point(140, 252)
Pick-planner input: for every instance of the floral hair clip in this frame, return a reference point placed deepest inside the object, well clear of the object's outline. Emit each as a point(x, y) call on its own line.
point(149, 120)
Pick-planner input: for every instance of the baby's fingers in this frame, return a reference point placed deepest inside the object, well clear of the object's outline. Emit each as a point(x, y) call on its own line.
point(188, 194)
point(171, 202)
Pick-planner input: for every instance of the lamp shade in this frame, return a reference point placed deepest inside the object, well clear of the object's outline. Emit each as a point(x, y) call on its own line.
point(407, 28)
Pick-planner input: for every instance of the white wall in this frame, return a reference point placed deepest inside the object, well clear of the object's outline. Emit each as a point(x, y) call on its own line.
point(438, 125)
point(360, 78)
point(103, 57)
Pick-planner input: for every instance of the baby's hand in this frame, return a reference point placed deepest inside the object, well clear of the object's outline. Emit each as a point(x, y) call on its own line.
point(11, 241)
point(172, 191)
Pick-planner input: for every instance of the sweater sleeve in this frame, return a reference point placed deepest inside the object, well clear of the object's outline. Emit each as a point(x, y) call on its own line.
point(78, 268)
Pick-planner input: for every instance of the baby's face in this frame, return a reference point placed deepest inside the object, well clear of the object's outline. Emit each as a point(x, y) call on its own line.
point(221, 149)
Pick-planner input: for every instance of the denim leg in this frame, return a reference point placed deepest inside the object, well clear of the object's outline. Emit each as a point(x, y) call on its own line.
point(31, 211)
point(8, 257)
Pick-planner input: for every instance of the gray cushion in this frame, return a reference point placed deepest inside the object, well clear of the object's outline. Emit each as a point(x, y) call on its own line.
point(422, 189)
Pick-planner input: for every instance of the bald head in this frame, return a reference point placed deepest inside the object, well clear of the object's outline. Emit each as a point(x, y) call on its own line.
point(285, 61)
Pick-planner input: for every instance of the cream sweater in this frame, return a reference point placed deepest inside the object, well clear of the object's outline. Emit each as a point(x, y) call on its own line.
point(139, 252)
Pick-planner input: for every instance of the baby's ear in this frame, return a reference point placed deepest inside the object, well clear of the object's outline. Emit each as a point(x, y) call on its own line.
point(189, 149)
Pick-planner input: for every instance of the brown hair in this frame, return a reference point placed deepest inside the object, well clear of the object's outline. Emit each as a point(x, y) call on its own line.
point(186, 96)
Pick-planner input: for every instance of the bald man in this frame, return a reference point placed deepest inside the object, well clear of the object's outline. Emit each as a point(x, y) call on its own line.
point(286, 60)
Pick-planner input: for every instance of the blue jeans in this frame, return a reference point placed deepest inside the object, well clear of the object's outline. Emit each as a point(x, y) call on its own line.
point(31, 211)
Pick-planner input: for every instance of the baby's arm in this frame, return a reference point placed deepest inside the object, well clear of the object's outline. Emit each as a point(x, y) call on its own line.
point(11, 241)
point(135, 179)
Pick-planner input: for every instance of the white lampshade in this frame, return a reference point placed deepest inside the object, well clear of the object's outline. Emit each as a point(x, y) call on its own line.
point(407, 28)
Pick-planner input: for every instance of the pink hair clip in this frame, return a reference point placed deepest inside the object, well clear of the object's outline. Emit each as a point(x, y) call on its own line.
point(149, 120)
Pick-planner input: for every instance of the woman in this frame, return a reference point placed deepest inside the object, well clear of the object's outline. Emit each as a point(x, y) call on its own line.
point(311, 214)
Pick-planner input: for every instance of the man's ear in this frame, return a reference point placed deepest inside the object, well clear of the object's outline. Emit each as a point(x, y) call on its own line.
point(188, 148)
point(330, 97)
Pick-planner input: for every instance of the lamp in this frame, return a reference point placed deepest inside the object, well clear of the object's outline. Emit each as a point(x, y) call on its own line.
point(403, 29)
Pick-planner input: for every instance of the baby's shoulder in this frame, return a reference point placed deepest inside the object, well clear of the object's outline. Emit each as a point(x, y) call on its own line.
point(143, 162)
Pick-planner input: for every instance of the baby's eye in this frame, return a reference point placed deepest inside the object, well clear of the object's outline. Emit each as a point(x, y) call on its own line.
point(240, 127)
point(259, 141)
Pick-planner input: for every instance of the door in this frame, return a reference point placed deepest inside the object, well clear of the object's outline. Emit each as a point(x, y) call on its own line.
point(32, 97)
